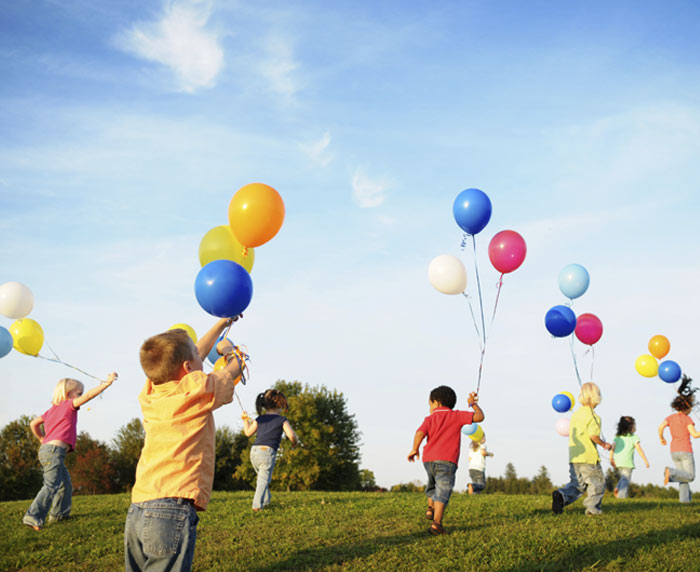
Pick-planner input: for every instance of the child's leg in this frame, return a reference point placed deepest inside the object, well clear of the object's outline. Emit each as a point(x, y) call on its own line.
point(574, 488)
point(683, 474)
point(478, 480)
point(444, 473)
point(171, 526)
point(624, 482)
point(62, 500)
point(263, 461)
point(594, 481)
point(51, 459)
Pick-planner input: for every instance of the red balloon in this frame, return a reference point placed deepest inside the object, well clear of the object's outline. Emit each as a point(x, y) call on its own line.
point(507, 251)
point(589, 328)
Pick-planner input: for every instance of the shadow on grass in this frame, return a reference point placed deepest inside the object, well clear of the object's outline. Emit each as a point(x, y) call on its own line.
point(622, 552)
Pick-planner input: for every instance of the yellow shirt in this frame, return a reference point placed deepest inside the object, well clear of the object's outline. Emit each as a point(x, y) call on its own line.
point(584, 423)
point(177, 459)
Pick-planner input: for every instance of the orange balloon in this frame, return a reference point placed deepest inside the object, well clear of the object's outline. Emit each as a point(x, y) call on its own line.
point(221, 364)
point(256, 214)
point(659, 346)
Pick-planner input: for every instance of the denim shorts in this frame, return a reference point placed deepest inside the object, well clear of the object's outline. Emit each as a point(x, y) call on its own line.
point(441, 480)
point(160, 535)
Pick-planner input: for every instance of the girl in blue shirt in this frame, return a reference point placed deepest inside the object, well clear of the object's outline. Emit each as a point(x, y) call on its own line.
point(269, 427)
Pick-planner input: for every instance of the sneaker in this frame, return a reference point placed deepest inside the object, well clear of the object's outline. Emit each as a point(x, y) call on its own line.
point(557, 502)
point(590, 513)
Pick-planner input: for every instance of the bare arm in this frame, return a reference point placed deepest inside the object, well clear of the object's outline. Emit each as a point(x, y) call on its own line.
point(289, 432)
point(250, 426)
point(417, 440)
point(639, 449)
point(35, 425)
point(692, 431)
point(663, 426)
point(95, 391)
point(612, 458)
point(472, 400)
point(206, 342)
point(598, 441)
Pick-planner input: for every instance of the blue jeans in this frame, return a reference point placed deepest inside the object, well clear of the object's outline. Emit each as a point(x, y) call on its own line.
point(56, 494)
point(478, 480)
point(585, 478)
point(683, 474)
point(160, 535)
point(263, 460)
point(623, 484)
point(441, 480)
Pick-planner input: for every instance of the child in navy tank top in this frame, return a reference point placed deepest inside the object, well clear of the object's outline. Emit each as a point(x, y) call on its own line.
point(269, 428)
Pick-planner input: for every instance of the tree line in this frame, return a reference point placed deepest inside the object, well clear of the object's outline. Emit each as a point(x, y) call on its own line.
point(328, 458)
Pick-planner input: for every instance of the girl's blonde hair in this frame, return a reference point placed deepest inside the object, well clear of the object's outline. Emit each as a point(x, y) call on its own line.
point(474, 445)
point(63, 388)
point(590, 394)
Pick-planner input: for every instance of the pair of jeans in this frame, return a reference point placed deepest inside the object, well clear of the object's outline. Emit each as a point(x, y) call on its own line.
point(478, 480)
point(441, 480)
point(263, 459)
point(159, 535)
point(683, 474)
point(587, 478)
point(56, 494)
point(623, 484)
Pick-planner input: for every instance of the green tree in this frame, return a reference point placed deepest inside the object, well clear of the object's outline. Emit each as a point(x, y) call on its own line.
point(329, 455)
point(367, 482)
point(541, 483)
point(230, 448)
point(20, 470)
point(125, 453)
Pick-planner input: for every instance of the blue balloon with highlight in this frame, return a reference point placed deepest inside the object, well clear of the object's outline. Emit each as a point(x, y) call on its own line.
point(669, 371)
point(561, 403)
point(472, 210)
point(470, 429)
point(573, 280)
point(6, 342)
point(560, 321)
point(223, 288)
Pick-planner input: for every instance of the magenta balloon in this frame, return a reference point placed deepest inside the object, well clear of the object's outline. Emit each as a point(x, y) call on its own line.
point(507, 251)
point(589, 328)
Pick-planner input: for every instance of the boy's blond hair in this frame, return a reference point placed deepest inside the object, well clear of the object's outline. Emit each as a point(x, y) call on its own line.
point(590, 394)
point(162, 355)
point(63, 388)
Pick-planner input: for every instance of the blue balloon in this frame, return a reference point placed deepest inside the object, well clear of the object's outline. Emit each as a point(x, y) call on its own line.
point(470, 429)
point(561, 403)
point(213, 355)
point(6, 342)
point(669, 371)
point(472, 210)
point(573, 280)
point(223, 288)
point(560, 321)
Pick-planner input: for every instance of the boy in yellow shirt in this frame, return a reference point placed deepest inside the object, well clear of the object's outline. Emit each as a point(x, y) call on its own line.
point(175, 473)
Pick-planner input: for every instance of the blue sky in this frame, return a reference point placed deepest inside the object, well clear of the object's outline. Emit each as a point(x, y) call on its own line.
point(127, 128)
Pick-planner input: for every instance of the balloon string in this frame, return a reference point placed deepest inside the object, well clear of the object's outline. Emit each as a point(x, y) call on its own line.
point(56, 359)
point(592, 360)
point(471, 310)
point(478, 285)
point(498, 294)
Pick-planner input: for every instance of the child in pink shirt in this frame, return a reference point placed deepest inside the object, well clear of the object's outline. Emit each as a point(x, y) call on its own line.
point(56, 429)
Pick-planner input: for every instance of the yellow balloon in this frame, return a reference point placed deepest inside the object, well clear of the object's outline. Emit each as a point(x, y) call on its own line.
point(189, 329)
point(478, 435)
point(646, 365)
point(221, 364)
point(221, 244)
point(573, 401)
point(28, 336)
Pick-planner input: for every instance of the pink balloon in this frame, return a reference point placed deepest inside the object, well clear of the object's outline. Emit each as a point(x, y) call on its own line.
point(507, 251)
point(562, 426)
point(589, 328)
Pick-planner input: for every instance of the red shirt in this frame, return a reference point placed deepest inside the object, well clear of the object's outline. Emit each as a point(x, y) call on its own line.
point(680, 437)
point(61, 423)
point(443, 427)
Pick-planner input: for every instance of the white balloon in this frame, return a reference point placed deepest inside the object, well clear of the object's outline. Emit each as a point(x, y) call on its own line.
point(16, 300)
point(562, 426)
point(447, 274)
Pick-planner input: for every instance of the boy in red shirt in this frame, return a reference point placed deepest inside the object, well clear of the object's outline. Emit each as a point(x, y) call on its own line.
point(443, 428)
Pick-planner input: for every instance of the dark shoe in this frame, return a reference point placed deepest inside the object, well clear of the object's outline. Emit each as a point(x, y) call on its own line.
point(557, 502)
point(436, 529)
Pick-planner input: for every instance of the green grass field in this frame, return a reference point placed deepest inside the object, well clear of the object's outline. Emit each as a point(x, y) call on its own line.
point(376, 532)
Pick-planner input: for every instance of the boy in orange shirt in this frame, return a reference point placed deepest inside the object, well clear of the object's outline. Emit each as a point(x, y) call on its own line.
point(175, 473)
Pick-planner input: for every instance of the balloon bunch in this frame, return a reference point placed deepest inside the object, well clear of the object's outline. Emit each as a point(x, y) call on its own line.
point(562, 403)
point(472, 211)
point(561, 321)
point(474, 431)
point(648, 366)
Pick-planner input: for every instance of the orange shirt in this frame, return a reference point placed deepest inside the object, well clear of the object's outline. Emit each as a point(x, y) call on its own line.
point(177, 459)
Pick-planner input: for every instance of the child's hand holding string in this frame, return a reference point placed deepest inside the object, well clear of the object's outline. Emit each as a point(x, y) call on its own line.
point(473, 398)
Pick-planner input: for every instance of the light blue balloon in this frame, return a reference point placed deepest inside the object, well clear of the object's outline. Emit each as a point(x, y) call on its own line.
point(213, 354)
point(470, 429)
point(573, 280)
point(6, 342)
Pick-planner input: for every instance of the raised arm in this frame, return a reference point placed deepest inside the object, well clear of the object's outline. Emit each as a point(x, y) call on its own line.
point(473, 400)
point(207, 341)
point(95, 391)
point(250, 426)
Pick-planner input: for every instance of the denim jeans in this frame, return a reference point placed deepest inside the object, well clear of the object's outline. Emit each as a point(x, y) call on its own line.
point(160, 535)
point(683, 474)
point(56, 494)
point(585, 478)
point(478, 480)
point(623, 484)
point(441, 480)
point(263, 460)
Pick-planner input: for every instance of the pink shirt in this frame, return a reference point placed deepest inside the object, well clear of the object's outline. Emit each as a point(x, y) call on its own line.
point(61, 423)
point(680, 437)
point(443, 427)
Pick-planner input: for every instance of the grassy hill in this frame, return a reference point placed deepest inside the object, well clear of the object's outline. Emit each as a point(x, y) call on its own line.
point(376, 532)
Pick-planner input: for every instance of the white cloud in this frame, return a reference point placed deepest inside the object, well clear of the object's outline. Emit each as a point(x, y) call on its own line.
point(278, 67)
point(180, 41)
point(368, 193)
point(317, 151)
